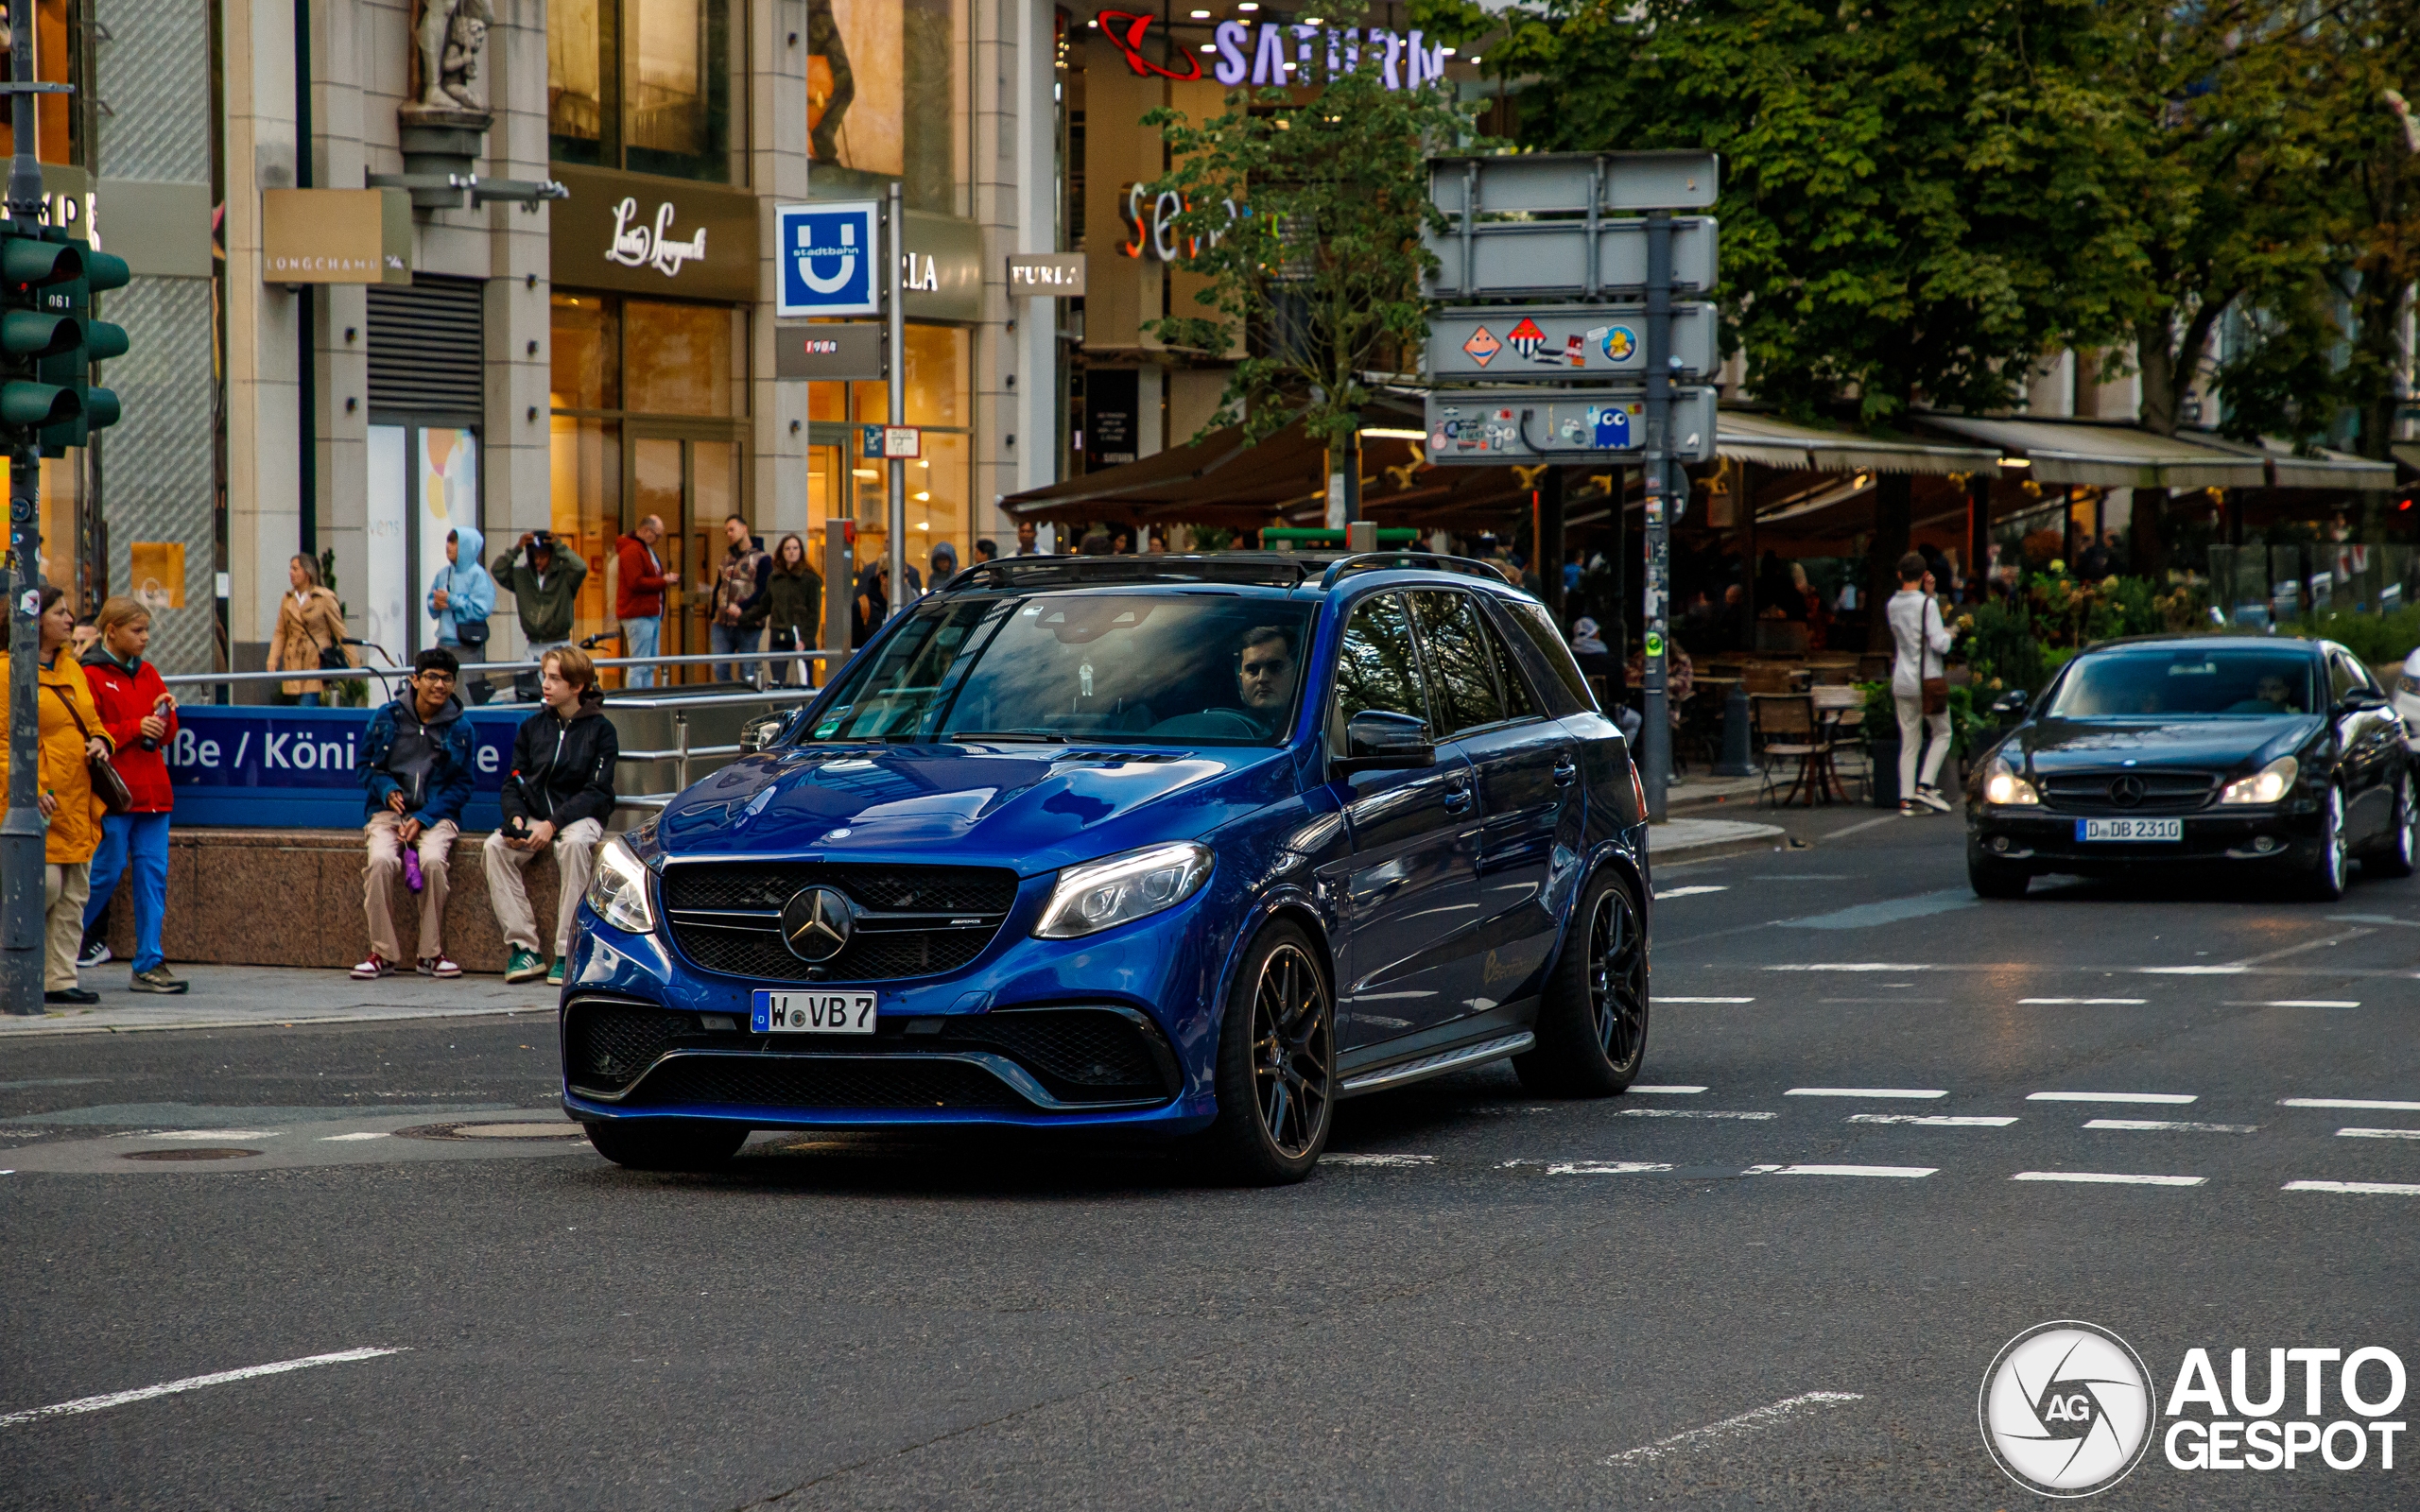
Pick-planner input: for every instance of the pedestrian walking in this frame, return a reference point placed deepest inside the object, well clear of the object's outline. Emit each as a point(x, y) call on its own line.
point(69, 737)
point(1919, 684)
point(139, 715)
point(463, 595)
point(309, 636)
point(545, 582)
point(794, 605)
point(416, 771)
point(739, 607)
point(944, 565)
point(638, 596)
point(558, 796)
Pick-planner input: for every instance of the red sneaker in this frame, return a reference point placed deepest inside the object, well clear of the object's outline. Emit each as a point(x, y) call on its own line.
point(436, 965)
point(373, 969)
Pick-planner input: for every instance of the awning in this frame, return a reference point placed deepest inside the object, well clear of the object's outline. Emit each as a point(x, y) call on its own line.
point(1746, 436)
point(2104, 453)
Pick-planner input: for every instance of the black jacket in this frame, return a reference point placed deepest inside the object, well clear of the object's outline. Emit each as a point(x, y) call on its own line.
point(563, 772)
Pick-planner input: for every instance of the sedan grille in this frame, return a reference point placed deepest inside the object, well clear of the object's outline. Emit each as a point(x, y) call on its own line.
point(912, 921)
point(2127, 791)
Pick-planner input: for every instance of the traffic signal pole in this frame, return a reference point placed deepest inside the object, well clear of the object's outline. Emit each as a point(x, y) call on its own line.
point(21, 832)
point(896, 310)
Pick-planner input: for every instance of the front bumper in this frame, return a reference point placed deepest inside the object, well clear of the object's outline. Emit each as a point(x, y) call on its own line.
point(2047, 840)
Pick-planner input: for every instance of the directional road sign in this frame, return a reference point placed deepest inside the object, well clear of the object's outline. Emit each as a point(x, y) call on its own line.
point(1502, 343)
point(1481, 427)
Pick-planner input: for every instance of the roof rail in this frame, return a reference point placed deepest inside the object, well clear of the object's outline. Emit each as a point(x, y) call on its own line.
point(1274, 568)
point(1379, 562)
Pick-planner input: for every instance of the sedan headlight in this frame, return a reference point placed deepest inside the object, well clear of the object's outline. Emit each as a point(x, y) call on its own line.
point(1117, 889)
point(2267, 785)
point(2002, 785)
point(618, 891)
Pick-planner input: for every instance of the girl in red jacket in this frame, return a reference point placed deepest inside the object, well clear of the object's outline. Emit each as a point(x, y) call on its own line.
point(141, 714)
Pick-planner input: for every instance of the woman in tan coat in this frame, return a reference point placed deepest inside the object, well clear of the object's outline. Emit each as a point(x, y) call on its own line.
point(70, 731)
point(309, 620)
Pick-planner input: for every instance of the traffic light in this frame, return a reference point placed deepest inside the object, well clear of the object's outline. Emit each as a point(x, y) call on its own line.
point(71, 368)
point(37, 329)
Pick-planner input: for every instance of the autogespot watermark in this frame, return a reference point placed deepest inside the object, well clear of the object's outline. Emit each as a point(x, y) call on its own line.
point(2069, 1409)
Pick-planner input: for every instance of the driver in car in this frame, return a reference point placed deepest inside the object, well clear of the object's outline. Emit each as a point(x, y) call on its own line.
point(1265, 675)
point(2269, 696)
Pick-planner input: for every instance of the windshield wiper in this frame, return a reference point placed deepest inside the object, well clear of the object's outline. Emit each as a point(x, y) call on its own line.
point(1040, 737)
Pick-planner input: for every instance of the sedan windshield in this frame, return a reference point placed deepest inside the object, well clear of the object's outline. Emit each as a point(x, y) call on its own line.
point(1216, 669)
point(2170, 683)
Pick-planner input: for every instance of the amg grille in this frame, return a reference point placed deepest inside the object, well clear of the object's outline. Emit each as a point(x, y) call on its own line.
point(811, 1082)
point(911, 921)
point(607, 1044)
point(1081, 1055)
point(2128, 792)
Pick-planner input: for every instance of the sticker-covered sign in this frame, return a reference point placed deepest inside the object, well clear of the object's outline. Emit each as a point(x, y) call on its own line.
point(1482, 346)
point(1546, 343)
point(1476, 427)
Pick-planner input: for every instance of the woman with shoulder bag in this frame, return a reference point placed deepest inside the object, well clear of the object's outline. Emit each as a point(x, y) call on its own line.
point(310, 631)
point(1919, 684)
point(72, 743)
point(795, 594)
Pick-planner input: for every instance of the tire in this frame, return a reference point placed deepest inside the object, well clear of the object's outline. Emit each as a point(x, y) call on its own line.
point(1592, 1018)
point(1996, 879)
point(2393, 857)
point(2325, 881)
point(1275, 1078)
point(667, 1144)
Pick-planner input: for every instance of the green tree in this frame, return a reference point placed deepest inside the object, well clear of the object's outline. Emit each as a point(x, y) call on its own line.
point(1304, 211)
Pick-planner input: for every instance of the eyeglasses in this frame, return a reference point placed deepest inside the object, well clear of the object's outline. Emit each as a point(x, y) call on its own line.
point(442, 679)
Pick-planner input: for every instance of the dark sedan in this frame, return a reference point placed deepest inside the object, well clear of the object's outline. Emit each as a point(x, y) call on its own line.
point(2278, 756)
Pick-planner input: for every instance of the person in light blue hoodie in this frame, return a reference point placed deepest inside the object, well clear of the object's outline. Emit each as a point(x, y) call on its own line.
point(463, 595)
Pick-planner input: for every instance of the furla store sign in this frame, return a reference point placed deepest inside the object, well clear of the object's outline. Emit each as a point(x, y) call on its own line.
point(646, 235)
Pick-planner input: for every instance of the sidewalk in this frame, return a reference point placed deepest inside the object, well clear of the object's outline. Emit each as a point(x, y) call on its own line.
point(229, 997)
point(1695, 839)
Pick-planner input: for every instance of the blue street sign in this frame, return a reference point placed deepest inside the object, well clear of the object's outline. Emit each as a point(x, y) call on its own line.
point(827, 259)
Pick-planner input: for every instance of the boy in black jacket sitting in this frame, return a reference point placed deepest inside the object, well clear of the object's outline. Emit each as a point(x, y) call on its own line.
point(560, 793)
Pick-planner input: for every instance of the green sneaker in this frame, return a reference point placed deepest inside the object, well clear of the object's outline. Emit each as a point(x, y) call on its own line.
point(555, 973)
point(524, 966)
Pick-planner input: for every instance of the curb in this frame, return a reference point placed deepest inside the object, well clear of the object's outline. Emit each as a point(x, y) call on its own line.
point(1752, 837)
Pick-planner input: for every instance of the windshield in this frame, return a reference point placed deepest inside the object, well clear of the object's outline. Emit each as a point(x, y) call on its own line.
point(1216, 669)
point(2187, 682)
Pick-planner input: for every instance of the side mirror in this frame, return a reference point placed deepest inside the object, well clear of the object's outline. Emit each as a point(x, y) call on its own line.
point(1376, 740)
point(2360, 700)
point(2012, 703)
point(762, 732)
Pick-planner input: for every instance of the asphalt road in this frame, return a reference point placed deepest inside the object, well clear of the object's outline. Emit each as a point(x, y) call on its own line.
point(1482, 1300)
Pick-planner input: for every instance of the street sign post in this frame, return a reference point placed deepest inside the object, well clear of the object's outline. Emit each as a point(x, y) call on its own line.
point(1562, 343)
point(825, 257)
point(892, 442)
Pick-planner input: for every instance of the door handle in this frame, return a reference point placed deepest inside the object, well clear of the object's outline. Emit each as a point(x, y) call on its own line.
point(1564, 770)
point(1457, 797)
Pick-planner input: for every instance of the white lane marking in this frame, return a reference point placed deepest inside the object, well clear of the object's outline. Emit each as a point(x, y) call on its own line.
point(120, 1398)
point(1389, 1160)
point(2110, 1178)
point(1866, 1091)
point(2189, 971)
point(1843, 1170)
point(1747, 1423)
point(1689, 892)
point(2173, 1126)
point(2373, 919)
point(2349, 1102)
point(1861, 824)
point(1601, 1167)
point(1687, 1112)
point(206, 1134)
point(2111, 1097)
point(1933, 1119)
point(2390, 1189)
point(1675, 1092)
point(1704, 1000)
point(337, 1139)
point(2298, 1003)
point(1851, 966)
point(2083, 1003)
point(2378, 1133)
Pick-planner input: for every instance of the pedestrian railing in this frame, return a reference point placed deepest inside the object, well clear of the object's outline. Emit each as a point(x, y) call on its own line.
point(761, 680)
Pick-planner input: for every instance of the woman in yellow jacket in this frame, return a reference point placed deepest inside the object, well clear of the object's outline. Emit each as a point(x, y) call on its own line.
point(68, 805)
point(310, 619)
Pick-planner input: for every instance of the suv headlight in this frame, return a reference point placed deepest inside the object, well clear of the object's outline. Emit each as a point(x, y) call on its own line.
point(2267, 785)
point(2002, 785)
point(1117, 889)
point(618, 890)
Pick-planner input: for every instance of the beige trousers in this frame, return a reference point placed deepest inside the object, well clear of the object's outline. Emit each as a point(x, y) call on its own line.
point(385, 869)
point(66, 885)
point(575, 848)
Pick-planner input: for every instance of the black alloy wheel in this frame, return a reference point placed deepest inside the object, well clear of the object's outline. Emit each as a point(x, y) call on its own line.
point(667, 1143)
point(1276, 1069)
point(2395, 855)
point(2327, 878)
point(1592, 1022)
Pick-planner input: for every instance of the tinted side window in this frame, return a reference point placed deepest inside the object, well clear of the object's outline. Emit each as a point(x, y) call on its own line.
point(2347, 676)
point(1375, 665)
point(1519, 702)
point(1531, 617)
point(1459, 659)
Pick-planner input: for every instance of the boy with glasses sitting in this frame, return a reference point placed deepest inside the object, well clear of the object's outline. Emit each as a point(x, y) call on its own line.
point(416, 768)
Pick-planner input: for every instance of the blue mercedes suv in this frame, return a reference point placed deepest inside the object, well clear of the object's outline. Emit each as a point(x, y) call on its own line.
point(1188, 845)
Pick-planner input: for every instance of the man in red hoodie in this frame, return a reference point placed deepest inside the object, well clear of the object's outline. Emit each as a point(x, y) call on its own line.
point(638, 601)
point(141, 716)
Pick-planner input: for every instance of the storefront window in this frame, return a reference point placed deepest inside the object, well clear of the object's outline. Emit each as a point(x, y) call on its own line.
point(678, 358)
point(882, 99)
point(650, 86)
point(587, 351)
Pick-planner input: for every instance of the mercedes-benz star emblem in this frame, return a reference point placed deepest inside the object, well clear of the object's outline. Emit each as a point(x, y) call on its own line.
point(2126, 791)
point(817, 923)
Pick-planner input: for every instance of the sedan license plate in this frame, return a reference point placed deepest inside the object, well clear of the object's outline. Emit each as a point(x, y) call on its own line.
point(812, 1012)
point(2129, 829)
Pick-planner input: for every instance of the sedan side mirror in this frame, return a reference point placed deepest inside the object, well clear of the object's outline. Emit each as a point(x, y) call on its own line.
point(2011, 703)
point(2360, 700)
point(762, 732)
point(1378, 741)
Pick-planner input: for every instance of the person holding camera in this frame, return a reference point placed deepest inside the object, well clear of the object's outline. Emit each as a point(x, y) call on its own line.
point(140, 714)
point(560, 793)
point(544, 581)
point(416, 765)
